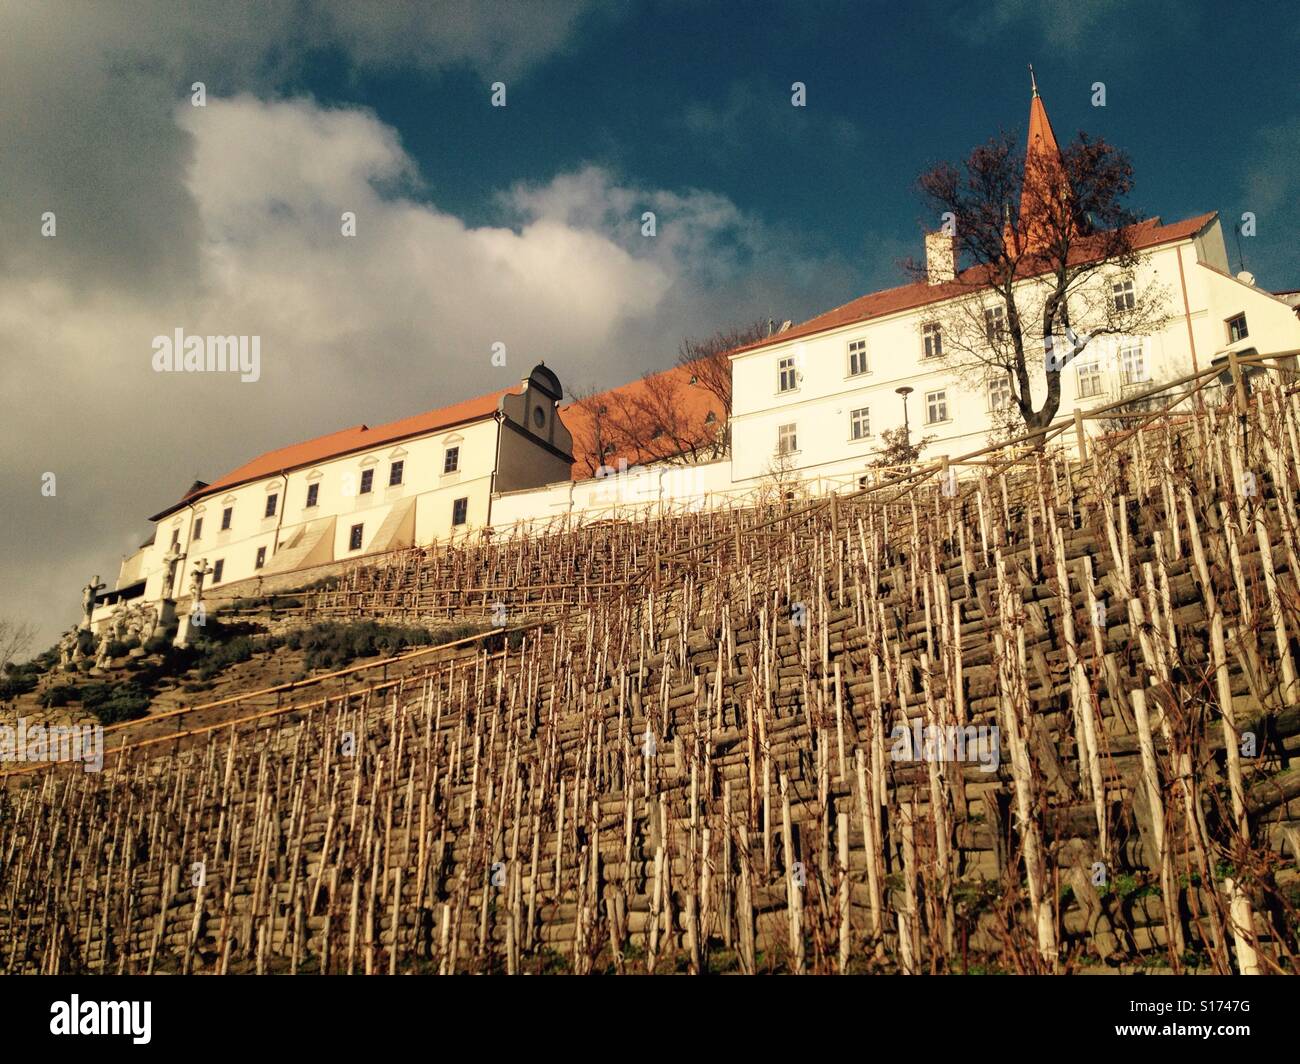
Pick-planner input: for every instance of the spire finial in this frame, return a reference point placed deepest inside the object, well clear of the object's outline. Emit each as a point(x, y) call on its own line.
point(1033, 82)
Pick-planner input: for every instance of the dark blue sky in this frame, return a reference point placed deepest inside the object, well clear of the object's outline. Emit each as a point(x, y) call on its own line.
point(670, 95)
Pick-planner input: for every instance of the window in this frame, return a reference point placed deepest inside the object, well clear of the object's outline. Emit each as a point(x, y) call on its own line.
point(936, 407)
point(999, 392)
point(857, 357)
point(1132, 365)
point(217, 567)
point(459, 512)
point(395, 473)
point(786, 380)
point(198, 528)
point(932, 337)
point(261, 558)
point(176, 537)
point(995, 324)
point(710, 418)
point(367, 482)
point(451, 460)
point(539, 416)
point(860, 423)
point(354, 537)
point(1237, 329)
point(226, 515)
point(1090, 380)
point(787, 441)
point(313, 493)
point(1122, 294)
point(271, 500)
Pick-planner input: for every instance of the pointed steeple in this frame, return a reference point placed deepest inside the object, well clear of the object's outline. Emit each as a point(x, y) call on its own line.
point(1045, 178)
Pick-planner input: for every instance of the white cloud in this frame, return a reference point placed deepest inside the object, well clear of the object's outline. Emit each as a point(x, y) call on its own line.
point(398, 319)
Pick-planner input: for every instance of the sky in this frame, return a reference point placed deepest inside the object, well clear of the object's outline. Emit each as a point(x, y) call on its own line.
point(518, 225)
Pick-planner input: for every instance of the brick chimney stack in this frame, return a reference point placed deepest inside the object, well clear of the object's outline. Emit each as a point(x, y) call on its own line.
point(940, 257)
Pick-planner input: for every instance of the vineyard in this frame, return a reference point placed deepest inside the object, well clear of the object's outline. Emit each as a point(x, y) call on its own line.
point(1025, 712)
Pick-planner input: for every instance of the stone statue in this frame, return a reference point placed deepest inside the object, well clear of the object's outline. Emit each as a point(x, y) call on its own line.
point(195, 615)
point(88, 594)
point(200, 570)
point(146, 623)
point(102, 657)
point(67, 645)
point(172, 559)
point(121, 621)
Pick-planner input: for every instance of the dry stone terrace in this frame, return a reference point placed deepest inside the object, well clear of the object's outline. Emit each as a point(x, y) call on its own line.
point(696, 763)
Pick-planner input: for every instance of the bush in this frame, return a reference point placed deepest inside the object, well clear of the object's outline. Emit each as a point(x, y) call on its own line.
point(157, 645)
point(18, 680)
point(334, 646)
point(126, 701)
point(59, 695)
point(219, 656)
point(94, 695)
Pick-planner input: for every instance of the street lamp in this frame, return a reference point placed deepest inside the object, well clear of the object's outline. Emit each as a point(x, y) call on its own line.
point(905, 391)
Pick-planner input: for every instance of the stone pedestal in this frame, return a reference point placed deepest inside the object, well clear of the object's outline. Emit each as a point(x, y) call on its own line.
point(185, 632)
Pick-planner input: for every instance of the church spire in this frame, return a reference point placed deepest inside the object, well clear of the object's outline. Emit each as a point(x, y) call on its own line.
point(1045, 187)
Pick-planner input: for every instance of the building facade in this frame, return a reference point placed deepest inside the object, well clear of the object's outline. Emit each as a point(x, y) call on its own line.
point(421, 480)
point(817, 398)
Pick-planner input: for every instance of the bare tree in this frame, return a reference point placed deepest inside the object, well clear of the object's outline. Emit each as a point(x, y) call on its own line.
point(15, 641)
point(595, 434)
point(708, 362)
point(1036, 292)
point(656, 419)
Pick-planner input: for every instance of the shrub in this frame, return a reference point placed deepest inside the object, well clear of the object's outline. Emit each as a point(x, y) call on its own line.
point(333, 646)
point(157, 645)
point(94, 695)
point(216, 657)
point(126, 701)
point(59, 695)
point(17, 681)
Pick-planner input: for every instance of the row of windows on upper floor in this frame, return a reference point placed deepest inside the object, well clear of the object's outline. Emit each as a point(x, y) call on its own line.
point(788, 376)
point(938, 409)
point(396, 472)
point(356, 535)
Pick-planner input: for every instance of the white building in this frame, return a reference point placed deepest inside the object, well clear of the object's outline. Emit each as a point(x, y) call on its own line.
point(814, 400)
point(359, 491)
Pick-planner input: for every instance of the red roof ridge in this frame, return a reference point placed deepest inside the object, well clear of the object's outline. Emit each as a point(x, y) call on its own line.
point(1148, 232)
point(345, 441)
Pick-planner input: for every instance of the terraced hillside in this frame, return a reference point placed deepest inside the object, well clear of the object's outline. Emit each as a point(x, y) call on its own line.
point(701, 756)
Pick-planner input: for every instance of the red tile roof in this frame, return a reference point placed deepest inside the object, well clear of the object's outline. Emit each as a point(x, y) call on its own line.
point(345, 441)
point(1149, 233)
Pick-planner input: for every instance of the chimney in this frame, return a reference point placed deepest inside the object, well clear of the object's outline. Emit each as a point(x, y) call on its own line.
point(940, 257)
